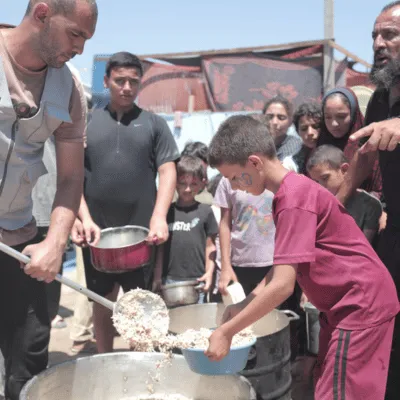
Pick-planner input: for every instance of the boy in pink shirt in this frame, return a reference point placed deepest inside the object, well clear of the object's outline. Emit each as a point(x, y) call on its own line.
point(318, 243)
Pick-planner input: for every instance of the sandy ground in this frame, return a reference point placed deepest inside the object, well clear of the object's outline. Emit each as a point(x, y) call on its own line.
point(60, 341)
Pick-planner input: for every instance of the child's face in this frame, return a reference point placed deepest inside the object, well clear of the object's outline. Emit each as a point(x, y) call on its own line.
point(328, 177)
point(188, 186)
point(309, 130)
point(337, 117)
point(247, 178)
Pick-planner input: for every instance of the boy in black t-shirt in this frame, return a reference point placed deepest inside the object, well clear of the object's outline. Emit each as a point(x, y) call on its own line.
point(328, 166)
point(189, 253)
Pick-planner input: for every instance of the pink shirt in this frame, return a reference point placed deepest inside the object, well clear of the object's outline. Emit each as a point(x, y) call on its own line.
point(337, 268)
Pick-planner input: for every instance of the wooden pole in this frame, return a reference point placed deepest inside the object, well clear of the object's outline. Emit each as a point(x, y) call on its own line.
point(329, 61)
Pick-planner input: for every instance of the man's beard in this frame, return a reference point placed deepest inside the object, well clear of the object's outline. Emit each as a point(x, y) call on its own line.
point(386, 76)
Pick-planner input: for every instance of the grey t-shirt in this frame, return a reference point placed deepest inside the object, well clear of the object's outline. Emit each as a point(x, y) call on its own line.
point(121, 163)
point(184, 252)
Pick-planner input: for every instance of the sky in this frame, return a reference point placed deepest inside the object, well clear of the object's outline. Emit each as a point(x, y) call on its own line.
point(158, 26)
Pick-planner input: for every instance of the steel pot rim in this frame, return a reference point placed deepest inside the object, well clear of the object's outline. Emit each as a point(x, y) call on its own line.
point(106, 230)
point(179, 284)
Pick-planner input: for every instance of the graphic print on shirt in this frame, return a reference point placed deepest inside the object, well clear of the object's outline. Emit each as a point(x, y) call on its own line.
point(183, 226)
point(261, 217)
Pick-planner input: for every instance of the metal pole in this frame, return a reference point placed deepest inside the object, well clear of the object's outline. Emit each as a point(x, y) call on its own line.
point(329, 62)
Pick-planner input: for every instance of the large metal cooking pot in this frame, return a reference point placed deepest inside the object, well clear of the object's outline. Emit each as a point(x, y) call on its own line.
point(121, 376)
point(268, 370)
point(121, 249)
point(181, 293)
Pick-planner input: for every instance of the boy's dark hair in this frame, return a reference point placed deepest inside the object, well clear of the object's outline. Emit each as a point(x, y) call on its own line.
point(190, 165)
point(213, 184)
point(310, 110)
point(123, 59)
point(196, 149)
point(237, 138)
point(279, 99)
point(327, 154)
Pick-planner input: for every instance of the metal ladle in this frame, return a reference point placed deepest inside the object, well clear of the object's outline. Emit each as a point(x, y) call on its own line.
point(122, 306)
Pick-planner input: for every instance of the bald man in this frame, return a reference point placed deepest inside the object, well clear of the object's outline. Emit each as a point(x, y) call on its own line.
point(39, 97)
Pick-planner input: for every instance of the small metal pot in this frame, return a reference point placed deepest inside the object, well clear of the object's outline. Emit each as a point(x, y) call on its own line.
point(181, 293)
point(121, 249)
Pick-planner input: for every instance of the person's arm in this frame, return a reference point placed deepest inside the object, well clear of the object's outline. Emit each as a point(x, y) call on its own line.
point(166, 188)
point(275, 293)
point(166, 154)
point(360, 168)
point(46, 256)
point(158, 270)
point(85, 230)
point(291, 222)
point(209, 264)
point(227, 272)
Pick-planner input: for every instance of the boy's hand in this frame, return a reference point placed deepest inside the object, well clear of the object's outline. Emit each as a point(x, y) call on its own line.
point(227, 275)
point(233, 310)
point(207, 279)
point(303, 300)
point(220, 344)
point(156, 286)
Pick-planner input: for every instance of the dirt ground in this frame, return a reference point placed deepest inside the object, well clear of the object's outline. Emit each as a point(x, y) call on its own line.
point(60, 341)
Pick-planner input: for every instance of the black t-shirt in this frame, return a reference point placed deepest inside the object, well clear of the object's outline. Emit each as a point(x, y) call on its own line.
point(389, 161)
point(365, 209)
point(121, 163)
point(184, 252)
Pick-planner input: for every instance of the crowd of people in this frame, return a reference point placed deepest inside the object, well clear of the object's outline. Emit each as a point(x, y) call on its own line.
point(320, 207)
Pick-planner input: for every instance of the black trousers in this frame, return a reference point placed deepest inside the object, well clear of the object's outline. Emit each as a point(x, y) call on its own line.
point(24, 324)
point(250, 277)
point(388, 250)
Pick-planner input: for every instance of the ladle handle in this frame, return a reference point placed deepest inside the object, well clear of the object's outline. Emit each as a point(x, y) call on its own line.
point(62, 279)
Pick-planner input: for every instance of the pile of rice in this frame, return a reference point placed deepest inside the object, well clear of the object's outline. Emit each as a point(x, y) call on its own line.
point(148, 332)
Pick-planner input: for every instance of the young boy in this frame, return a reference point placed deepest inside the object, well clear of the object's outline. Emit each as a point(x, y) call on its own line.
point(189, 253)
point(328, 166)
point(246, 233)
point(318, 243)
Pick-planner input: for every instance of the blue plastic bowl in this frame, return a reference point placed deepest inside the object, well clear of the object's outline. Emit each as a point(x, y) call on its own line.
point(234, 362)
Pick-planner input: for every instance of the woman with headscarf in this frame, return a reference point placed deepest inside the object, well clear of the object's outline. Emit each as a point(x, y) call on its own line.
point(341, 118)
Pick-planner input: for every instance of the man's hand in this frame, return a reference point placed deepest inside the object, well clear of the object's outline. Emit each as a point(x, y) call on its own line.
point(220, 344)
point(86, 233)
point(77, 233)
point(92, 231)
point(45, 261)
point(207, 278)
point(227, 275)
point(384, 135)
point(158, 230)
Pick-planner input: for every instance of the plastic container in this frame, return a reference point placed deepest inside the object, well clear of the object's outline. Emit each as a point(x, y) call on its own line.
point(235, 294)
point(234, 362)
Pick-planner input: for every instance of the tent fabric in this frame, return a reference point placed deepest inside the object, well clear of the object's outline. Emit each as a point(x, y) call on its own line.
point(232, 82)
